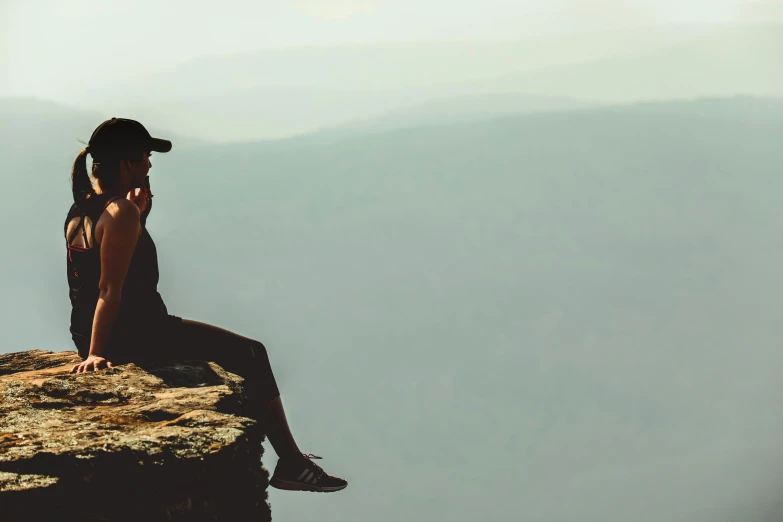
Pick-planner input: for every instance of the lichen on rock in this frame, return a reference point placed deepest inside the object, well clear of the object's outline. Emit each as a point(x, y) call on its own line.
point(140, 441)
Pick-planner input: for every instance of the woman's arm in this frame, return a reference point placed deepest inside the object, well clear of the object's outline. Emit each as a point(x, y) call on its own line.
point(120, 234)
point(121, 231)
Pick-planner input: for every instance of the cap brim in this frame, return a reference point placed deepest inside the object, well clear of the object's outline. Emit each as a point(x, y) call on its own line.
point(159, 145)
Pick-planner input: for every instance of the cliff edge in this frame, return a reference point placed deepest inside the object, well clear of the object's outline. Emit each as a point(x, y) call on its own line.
point(140, 441)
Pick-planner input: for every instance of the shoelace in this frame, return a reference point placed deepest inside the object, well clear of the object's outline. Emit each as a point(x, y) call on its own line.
point(310, 456)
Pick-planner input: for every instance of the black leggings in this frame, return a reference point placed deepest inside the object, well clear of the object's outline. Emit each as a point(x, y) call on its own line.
point(182, 339)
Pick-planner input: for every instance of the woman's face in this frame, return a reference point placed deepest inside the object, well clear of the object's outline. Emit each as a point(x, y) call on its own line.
point(140, 170)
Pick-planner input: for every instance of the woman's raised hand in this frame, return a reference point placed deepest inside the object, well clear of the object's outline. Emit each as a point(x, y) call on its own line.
point(93, 362)
point(143, 199)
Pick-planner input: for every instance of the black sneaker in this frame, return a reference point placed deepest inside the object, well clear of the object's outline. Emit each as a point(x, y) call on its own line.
point(299, 473)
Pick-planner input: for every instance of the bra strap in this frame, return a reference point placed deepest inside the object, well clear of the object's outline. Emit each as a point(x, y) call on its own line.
point(75, 230)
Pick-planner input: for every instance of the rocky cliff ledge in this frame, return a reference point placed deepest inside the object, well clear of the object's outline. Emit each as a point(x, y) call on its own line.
point(138, 442)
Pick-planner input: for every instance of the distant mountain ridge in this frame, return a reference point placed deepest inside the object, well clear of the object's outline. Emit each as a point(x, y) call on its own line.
point(33, 122)
point(462, 109)
point(278, 94)
point(729, 62)
point(386, 67)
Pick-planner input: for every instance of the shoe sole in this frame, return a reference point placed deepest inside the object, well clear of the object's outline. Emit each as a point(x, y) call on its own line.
point(298, 486)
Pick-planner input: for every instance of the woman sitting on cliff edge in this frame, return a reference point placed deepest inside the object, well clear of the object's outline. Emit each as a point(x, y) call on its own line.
point(117, 311)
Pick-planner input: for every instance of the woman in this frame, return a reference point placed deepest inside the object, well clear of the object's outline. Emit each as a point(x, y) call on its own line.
point(117, 311)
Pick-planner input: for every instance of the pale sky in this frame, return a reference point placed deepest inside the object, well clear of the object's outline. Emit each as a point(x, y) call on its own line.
point(45, 41)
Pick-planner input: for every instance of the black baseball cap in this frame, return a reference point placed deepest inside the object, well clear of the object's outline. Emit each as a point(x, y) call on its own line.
point(119, 135)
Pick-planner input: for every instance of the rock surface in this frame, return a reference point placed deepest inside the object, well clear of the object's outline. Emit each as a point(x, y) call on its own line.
point(140, 441)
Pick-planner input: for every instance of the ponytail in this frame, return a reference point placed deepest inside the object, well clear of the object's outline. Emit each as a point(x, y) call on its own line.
point(105, 169)
point(80, 181)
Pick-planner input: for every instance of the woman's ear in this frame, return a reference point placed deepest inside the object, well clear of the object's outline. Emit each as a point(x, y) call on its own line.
point(127, 164)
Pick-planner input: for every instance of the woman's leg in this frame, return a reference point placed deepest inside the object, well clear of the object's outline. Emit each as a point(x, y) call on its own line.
point(248, 358)
point(279, 433)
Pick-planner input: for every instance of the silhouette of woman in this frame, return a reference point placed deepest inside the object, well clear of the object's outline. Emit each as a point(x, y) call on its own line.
point(117, 312)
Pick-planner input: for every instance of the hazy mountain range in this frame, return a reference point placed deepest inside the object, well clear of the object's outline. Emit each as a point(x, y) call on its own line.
point(277, 94)
point(387, 67)
point(562, 314)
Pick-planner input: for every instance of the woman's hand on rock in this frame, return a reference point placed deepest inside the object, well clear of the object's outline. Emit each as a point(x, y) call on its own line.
point(93, 362)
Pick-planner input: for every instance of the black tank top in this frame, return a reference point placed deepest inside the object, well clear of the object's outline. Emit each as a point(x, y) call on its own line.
point(141, 304)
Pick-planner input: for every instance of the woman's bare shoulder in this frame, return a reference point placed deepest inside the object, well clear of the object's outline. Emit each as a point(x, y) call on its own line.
point(122, 208)
point(120, 214)
point(119, 206)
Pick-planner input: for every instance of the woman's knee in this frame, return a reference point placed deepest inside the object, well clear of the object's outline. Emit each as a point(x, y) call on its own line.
point(258, 350)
